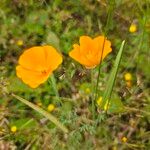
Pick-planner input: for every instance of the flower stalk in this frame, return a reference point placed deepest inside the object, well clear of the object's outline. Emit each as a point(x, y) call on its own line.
point(52, 81)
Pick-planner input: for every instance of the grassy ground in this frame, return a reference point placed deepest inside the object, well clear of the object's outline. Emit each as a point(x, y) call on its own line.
point(24, 24)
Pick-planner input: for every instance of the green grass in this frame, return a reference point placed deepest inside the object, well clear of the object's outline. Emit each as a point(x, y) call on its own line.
point(60, 24)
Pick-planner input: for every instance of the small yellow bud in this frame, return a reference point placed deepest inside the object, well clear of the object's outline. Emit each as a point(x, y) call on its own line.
point(13, 129)
point(87, 90)
point(124, 139)
point(50, 107)
point(106, 106)
point(99, 101)
point(133, 28)
point(20, 42)
point(128, 76)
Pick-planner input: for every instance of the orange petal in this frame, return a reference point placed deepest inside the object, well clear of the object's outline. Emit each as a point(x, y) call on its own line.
point(76, 55)
point(32, 78)
point(33, 58)
point(98, 44)
point(107, 48)
point(90, 50)
point(85, 44)
point(52, 57)
point(103, 46)
point(82, 53)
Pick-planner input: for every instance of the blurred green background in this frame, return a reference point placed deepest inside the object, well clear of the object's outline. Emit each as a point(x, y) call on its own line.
point(26, 23)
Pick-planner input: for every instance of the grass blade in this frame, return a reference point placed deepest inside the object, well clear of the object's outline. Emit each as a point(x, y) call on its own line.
point(52, 81)
point(112, 78)
point(43, 112)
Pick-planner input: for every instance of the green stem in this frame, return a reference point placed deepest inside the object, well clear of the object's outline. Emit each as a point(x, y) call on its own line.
point(52, 81)
point(43, 112)
point(111, 6)
point(96, 89)
point(93, 94)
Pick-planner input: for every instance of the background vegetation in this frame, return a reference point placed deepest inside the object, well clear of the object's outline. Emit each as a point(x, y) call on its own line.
point(60, 23)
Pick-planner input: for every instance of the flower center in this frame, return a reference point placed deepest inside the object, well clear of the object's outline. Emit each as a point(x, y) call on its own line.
point(43, 72)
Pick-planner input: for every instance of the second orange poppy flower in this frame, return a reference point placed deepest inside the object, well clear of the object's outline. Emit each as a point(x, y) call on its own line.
point(91, 52)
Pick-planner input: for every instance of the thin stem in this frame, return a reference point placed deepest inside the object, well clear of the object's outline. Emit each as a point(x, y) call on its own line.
point(110, 15)
point(52, 82)
point(93, 92)
point(96, 89)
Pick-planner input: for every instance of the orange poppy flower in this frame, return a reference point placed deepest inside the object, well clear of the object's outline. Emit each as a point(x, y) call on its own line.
point(37, 63)
point(91, 52)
